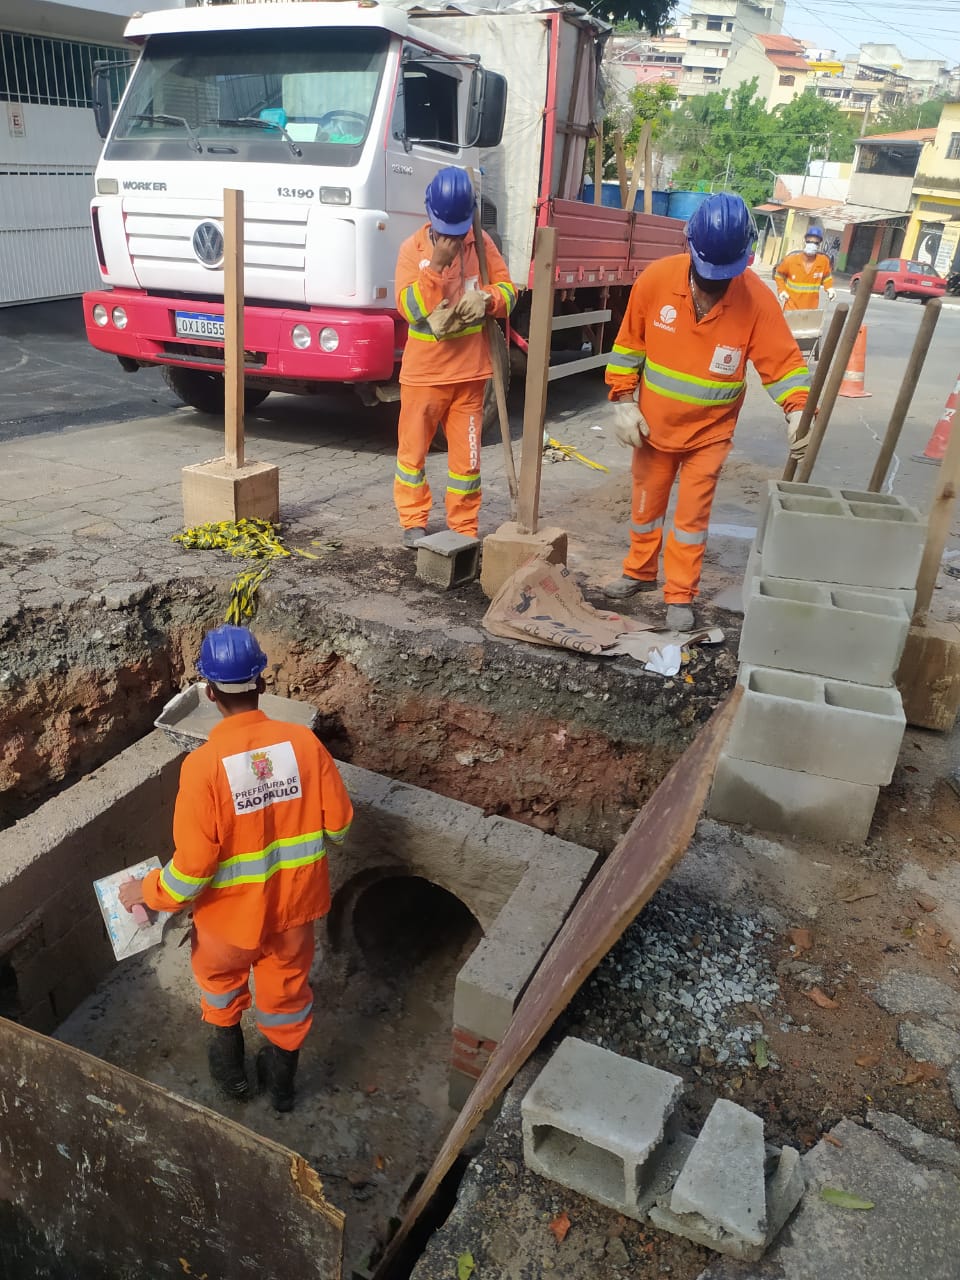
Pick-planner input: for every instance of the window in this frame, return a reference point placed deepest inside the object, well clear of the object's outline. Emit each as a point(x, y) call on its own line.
point(714, 24)
point(430, 106)
point(54, 73)
point(889, 161)
point(788, 80)
point(953, 147)
point(729, 26)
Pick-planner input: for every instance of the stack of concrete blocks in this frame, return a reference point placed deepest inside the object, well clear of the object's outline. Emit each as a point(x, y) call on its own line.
point(828, 597)
point(605, 1126)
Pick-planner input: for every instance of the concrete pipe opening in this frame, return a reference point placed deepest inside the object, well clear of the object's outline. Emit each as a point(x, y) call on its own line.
point(405, 924)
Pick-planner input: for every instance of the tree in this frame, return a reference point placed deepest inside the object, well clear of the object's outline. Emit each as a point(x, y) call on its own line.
point(912, 115)
point(652, 15)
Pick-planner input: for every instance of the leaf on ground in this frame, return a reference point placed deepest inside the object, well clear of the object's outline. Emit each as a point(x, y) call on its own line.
point(560, 1226)
point(465, 1266)
point(760, 1055)
point(919, 1073)
point(820, 999)
point(802, 940)
point(868, 1060)
point(844, 1199)
point(834, 1142)
point(944, 940)
point(925, 902)
point(379, 1162)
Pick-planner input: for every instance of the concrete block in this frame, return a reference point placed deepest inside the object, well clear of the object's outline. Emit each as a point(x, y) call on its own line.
point(507, 549)
point(858, 539)
point(448, 559)
point(593, 1121)
point(825, 630)
point(754, 561)
point(798, 804)
point(722, 1179)
point(831, 728)
point(216, 491)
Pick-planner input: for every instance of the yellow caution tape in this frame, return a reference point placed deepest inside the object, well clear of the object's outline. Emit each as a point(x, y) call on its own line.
point(569, 451)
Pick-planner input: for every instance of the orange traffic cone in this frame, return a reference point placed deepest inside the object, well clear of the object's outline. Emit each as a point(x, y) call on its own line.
point(852, 384)
point(937, 444)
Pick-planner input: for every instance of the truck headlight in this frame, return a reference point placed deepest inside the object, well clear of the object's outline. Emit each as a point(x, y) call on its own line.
point(300, 336)
point(100, 315)
point(329, 339)
point(335, 195)
point(119, 317)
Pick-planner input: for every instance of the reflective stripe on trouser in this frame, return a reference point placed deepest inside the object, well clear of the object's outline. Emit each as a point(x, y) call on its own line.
point(459, 406)
point(281, 967)
point(654, 472)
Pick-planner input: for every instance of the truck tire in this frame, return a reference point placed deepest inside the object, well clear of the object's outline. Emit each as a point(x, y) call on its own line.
point(204, 391)
point(490, 432)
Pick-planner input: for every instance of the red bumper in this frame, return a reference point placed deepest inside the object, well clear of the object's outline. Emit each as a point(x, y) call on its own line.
point(367, 351)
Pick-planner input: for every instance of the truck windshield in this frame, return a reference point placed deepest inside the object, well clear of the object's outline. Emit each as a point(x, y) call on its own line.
point(313, 91)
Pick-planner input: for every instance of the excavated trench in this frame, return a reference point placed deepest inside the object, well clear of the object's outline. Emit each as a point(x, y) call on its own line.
point(429, 721)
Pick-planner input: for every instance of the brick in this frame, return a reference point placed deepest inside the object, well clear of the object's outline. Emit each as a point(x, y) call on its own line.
point(798, 804)
point(824, 630)
point(832, 728)
point(859, 539)
point(507, 550)
point(448, 559)
point(594, 1121)
point(466, 1038)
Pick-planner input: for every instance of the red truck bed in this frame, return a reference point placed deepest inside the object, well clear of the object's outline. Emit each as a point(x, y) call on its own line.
point(597, 245)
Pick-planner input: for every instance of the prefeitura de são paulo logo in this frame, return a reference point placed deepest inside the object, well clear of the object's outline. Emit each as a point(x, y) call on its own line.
point(262, 766)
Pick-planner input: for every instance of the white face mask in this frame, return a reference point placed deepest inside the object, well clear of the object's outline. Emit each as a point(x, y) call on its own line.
point(811, 247)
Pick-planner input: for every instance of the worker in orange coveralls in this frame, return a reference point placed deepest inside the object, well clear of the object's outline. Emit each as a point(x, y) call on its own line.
point(257, 805)
point(446, 362)
point(677, 378)
point(803, 273)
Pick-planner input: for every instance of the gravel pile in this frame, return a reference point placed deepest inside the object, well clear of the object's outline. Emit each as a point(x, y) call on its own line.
point(686, 983)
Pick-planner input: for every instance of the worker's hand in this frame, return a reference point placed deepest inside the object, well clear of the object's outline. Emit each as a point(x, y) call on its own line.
point(472, 307)
point(798, 444)
point(443, 319)
point(784, 297)
point(445, 250)
point(130, 894)
point(629, 425)
point(832, 295)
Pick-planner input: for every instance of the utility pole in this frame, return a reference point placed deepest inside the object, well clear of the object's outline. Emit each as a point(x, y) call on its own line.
point(803, 184)
point(823, 164)
point(726, 176)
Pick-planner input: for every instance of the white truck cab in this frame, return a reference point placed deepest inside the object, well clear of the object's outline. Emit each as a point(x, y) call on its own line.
point(331, 118)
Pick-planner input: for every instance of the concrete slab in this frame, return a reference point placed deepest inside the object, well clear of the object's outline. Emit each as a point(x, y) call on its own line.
point(929, 1042)
point(913, 1230)
point(593, 1121)
point(507, 549)
point(901, 992)
point(722, 1179)
point(914, 1142)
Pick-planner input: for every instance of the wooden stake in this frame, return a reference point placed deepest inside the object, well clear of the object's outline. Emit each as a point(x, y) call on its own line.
point(635, 175)
point(538, 367)
point(598, 166)
point(938, 526)
point(646, 146)
point(499, 387)
point(621, 166)
point(819, 378)
point(931, 314)
point(233, 366)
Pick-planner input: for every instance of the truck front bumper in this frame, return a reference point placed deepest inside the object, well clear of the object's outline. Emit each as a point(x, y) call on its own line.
point(367, 342)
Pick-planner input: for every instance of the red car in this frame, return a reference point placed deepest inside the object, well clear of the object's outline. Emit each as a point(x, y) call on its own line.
point(903, 276)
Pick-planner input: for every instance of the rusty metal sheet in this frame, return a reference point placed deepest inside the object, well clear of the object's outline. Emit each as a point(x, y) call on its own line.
point(104, 1174)
point(631, 875)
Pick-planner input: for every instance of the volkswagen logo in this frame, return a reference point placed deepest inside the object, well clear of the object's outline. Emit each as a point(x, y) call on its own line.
point(208, 244)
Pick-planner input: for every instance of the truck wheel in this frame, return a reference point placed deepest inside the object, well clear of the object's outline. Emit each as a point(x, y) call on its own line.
point(499, 353)
point(204, 391)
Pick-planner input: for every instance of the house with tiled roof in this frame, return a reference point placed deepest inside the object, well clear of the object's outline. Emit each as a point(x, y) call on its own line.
point(776, 62)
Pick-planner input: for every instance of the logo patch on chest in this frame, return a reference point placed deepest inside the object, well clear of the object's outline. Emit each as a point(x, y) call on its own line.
point(726, 360)
point(263, 777)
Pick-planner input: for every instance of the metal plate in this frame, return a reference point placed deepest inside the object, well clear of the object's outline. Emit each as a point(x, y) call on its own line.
point(198, 324)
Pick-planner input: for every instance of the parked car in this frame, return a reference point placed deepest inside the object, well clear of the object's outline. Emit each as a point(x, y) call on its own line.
point(904, 277)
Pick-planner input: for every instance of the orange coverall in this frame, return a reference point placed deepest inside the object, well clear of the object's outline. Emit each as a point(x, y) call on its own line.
point(443, 380)
point(803, 278)
point(257, 803)
point(692, 380)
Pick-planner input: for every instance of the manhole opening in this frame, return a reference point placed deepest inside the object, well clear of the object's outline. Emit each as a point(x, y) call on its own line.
point(9, 991)
point(405, 923)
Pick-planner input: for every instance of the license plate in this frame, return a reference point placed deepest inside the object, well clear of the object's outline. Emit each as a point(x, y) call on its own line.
point(196, 324)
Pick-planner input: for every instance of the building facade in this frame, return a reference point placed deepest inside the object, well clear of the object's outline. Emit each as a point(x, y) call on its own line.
point(776, 62)
point(715, 31)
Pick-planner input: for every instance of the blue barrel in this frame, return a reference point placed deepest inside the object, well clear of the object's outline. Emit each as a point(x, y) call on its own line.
point(683, 204)
point(610, 197)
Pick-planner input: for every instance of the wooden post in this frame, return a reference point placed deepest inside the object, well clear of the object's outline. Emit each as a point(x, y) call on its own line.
point(233, 364)
point(646, 146)
point(499, 386)
point(621, 167)
point(819, 378)
point(598, 166)
point(538, 367)
point(921, 346)
point(635, 175)
point(938, 526)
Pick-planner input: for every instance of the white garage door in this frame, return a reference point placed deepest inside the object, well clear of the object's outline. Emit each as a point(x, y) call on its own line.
point(46, 245)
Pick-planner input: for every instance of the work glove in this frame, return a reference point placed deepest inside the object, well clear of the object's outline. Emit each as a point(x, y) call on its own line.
point(798, 444)
point(443, 319)
point(472, 307)
point(832, 294)
point(629, 425)
point(784, 297)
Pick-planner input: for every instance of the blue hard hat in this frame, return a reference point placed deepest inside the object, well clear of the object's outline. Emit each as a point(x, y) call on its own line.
point(813, 233)
point(720, 236)
point(450, 202)
point(231, 659)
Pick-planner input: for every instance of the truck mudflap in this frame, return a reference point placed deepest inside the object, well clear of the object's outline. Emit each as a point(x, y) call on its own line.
point(321, 344)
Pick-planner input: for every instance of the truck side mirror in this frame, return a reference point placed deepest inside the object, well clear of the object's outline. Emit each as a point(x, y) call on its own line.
point(488, 109)
point(102, 103)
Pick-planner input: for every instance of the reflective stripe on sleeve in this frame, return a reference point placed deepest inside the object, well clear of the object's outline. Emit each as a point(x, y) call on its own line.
point(412, 304)
point(283, 1019)
point(625, 360)
point(796, 380)
point(509, 294)
point(674, 385)
point(281, 855)
point(690, 538)
point(413, 480)
point(181, 887)
point(338, 836)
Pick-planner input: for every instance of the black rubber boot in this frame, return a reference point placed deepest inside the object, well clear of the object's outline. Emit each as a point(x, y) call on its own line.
point(276, 1070)
point(225, 1056)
